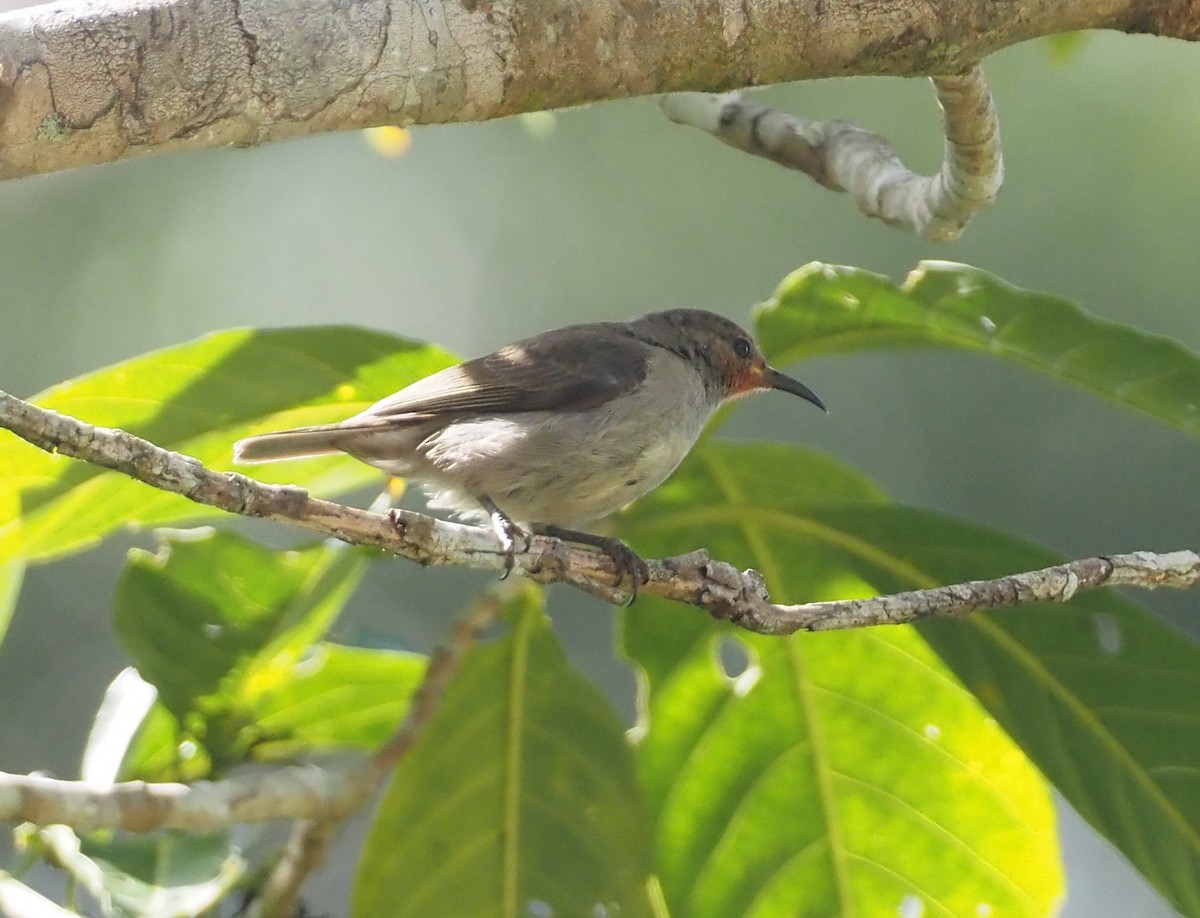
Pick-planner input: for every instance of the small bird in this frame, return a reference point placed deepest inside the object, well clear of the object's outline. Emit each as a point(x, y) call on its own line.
point(555, 431)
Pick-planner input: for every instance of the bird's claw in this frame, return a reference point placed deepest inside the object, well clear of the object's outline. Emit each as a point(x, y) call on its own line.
point(508, 532)
point(629, 564)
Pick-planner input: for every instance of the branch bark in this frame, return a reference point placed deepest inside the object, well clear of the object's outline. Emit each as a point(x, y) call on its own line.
point(717, 587)
point(94, 82)
point(843, 157)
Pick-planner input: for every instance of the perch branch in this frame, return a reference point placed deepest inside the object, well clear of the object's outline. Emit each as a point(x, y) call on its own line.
point(715, 586)
point(87, 83)
point(843, 157)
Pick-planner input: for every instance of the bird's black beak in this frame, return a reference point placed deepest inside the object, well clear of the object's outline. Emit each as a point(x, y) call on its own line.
point(773, 379)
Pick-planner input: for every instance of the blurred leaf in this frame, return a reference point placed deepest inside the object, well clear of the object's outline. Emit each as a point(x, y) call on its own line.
point(127, 701)
point(824, 309)
point(199, 398)
point(338, 696)
point(851, 765)
point(519, 799)
point(1065, 47)
point(215, 622)
point(161, 874)
point(12, 572)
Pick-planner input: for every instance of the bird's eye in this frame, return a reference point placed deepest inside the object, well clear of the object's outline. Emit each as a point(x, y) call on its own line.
point(742, 348)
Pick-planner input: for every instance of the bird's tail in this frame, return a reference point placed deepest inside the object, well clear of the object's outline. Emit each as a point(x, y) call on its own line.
point(298, 443)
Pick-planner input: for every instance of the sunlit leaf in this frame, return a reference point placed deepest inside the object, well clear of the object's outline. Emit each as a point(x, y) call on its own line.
point(849, 771)
point(199, 398)
point(825, 309)
point(337, 696)
point(216, 622)
point(519, 799)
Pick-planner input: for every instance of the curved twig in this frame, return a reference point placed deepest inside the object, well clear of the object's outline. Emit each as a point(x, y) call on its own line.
point(843, 157)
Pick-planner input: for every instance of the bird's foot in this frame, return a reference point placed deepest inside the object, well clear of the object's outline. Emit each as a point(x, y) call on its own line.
point(507, 532)
point(629, 563)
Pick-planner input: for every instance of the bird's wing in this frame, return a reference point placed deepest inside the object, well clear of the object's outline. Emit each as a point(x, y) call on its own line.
point(569, 369)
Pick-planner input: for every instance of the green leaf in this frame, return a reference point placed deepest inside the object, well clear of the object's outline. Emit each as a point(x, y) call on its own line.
point(1103, 697)
point(824, 309)
point(842, 773)
point(160, 874)
point(12, 570)
point(1065, 47)
point(336, 696)
point(215, 622)
point(198, 398)
point(519, 799)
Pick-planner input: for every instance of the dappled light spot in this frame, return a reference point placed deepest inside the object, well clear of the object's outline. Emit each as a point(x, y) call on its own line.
point(1108, 633)
point(388, 140)
point(738, 664)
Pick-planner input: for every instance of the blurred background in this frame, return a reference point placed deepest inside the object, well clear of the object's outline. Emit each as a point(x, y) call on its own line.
point(478, 234)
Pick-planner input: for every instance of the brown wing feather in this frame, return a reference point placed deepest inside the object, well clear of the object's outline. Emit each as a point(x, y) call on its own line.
point(569, 369)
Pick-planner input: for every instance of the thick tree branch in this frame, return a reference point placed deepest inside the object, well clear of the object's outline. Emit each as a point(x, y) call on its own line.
point(93, 82)
point(715, 586)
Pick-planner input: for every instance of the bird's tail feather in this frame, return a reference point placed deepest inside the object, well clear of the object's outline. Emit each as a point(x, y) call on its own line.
point(290, 444)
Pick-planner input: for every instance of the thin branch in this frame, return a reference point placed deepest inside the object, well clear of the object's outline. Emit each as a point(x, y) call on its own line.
point(19, 901)
point(326, 790)
point(715, 586)
point(86, 83)
point(305, 851)
point(321, 793)
point(843, 157)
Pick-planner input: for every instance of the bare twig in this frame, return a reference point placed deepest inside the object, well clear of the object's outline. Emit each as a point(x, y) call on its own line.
point(843, 157)
point(715, 586)
point(19, 901)
point(329, 789)
point(310, 839)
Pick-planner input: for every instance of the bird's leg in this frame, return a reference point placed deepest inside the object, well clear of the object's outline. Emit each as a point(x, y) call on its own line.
point(629, 563)
point(506, 531)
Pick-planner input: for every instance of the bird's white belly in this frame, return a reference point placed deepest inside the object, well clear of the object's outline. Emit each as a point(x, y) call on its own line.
point(578, 466)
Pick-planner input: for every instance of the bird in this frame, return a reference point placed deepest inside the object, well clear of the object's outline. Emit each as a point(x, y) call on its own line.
point(556, 431)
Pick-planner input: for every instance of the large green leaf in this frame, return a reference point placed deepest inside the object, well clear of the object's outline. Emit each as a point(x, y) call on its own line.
point(823, 309)
point(854, 767)
point(217, 624)
point(520, 798)
point(198, 398)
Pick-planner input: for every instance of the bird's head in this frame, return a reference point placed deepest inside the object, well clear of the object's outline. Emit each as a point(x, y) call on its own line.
point(725, 355)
